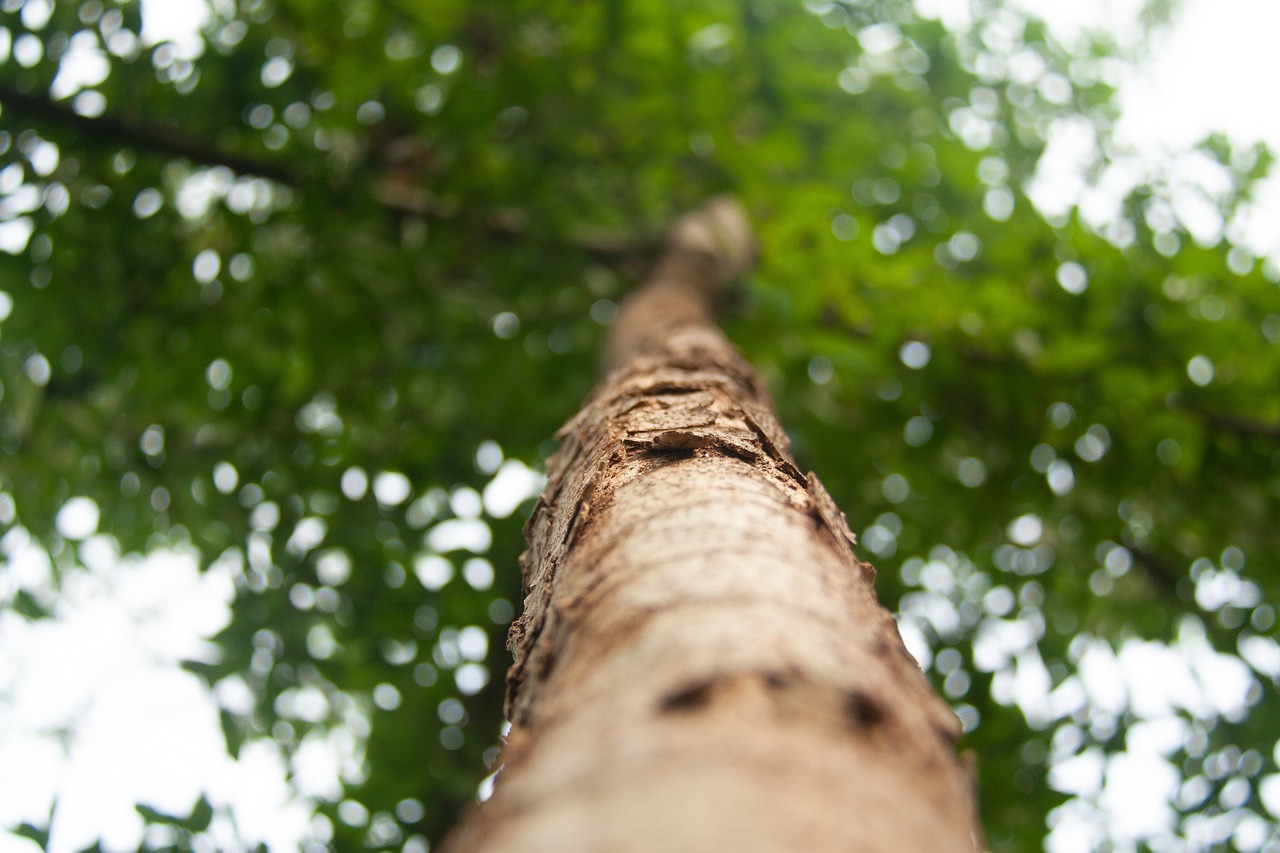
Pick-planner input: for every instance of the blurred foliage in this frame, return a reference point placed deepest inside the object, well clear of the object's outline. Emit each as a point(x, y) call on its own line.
point(338, 240)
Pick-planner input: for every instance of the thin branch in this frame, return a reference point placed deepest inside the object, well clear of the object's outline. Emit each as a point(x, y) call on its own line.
point(106, 129)
point(1239, 425)
point(400, 196)
point(1157, 569)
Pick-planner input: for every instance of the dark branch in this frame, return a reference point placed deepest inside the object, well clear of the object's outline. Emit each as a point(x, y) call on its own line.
point(1157, 569)
point(1239, 425)
point(404, 197)
point(117, 131)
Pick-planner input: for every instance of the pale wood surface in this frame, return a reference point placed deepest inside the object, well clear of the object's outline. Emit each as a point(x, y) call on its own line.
point(701, 663)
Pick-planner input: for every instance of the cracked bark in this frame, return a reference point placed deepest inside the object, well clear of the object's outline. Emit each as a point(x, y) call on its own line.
point(702, 663)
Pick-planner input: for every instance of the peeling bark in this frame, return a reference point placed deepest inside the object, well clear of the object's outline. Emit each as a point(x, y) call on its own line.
point(702, 663)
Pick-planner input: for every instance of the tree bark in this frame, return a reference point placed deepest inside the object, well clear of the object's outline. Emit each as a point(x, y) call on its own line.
point(702, 663)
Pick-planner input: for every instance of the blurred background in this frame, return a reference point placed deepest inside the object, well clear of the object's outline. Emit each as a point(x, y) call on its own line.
point(293, 295)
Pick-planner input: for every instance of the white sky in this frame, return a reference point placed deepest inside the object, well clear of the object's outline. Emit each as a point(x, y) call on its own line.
point(1213, 69)
point(96, 711)
point(1210, 72)
point(94, 707)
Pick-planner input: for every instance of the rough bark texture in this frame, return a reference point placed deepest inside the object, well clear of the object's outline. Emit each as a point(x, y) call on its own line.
point(702, 664)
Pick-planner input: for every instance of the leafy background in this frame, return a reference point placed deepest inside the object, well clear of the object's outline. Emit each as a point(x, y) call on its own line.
point(301, 301)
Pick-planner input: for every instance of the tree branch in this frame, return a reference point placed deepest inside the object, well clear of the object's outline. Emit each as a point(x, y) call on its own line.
point(1157, 569)
point(1237, 424)
point(401, 196)
point(110, 130)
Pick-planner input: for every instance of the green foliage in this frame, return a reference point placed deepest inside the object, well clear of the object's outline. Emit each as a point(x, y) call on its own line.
point(370, 236)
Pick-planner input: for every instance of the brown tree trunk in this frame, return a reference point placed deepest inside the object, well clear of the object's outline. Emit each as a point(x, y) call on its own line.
point(702, 664)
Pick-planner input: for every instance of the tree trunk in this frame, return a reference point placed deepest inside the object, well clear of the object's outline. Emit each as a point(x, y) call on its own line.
point(702, 663)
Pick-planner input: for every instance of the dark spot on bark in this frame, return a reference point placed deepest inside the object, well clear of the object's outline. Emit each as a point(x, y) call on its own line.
point(863, 710)
point(580, 513)
point(659, 456)
point(948, 727)
point(739, 452)
point(775, 680)
point(546, 660)
point(673, 388)
point(786, 466)
point(689, 697)
point(763, 437)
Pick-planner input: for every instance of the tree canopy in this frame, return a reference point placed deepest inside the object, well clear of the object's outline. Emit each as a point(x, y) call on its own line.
point(306, 295)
